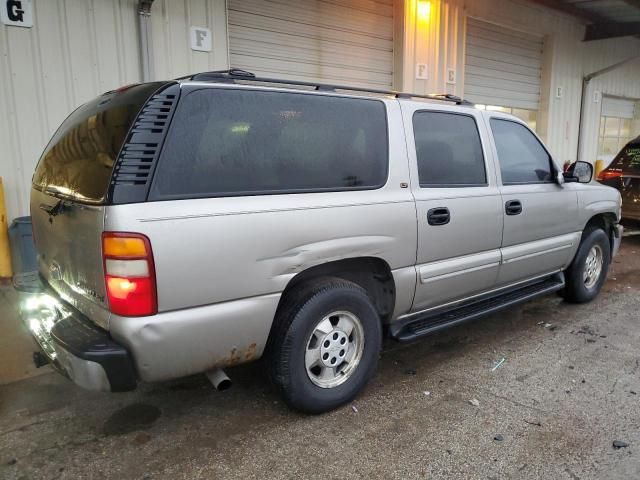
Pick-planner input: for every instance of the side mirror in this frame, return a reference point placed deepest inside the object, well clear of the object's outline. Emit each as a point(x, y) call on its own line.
point(580, 172)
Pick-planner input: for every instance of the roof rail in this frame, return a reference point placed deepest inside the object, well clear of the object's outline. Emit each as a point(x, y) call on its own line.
point(235, 74)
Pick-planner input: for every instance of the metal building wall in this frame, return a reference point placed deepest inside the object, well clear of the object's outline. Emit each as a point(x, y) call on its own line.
point(439, 41)
point(78, 49)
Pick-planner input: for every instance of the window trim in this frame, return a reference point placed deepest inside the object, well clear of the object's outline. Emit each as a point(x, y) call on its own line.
point(155, 196)
point(552, 165)
point(482, 148)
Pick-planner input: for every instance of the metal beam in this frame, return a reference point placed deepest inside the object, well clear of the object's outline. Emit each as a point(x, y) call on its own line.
point(600, 31)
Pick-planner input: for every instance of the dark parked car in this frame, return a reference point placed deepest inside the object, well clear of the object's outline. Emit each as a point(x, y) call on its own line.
point(624, 175)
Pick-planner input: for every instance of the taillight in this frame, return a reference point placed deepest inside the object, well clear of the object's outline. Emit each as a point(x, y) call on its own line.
point(609, 174)
point(129, 274)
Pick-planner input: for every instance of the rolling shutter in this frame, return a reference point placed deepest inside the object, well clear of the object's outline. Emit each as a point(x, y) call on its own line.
point(502, 66)
point(332, 41)
point(617, 107)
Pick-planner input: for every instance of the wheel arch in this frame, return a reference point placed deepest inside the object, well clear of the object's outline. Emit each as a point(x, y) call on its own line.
point(605, 221)
point(373, 274)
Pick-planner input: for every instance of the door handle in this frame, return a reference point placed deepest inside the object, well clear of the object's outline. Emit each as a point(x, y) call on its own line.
point(513, 207)
point(438, 216)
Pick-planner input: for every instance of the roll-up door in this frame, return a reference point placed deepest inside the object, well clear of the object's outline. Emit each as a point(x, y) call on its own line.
point(502, 66)
point(331, 41)
point(617, 107)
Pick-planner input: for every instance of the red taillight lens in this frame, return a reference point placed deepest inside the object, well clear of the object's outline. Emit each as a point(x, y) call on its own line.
point(609, 174)
point(129, 274)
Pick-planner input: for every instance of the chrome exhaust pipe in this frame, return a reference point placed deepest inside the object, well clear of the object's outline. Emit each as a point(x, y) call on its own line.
point(219, 379)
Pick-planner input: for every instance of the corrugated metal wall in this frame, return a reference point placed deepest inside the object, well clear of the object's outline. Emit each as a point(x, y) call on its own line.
point(76, 50)
point(439, 41)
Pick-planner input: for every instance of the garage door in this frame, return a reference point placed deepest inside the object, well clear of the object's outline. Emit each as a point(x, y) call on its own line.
point(617, 107)
point(332, 41)
point(502, 66)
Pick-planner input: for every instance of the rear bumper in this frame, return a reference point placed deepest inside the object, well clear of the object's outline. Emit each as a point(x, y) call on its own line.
point(77, 348)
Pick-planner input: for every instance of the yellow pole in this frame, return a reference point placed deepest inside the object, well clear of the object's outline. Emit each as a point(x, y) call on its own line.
point(5, 252)
point(599, 167)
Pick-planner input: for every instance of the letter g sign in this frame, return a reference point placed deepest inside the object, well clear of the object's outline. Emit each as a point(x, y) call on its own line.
point(17, 13)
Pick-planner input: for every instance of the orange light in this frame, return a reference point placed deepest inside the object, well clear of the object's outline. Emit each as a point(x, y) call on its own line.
point(424, 9)
point(124, 247)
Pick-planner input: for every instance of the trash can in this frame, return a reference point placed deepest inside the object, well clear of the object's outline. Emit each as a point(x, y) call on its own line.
point(23, 251)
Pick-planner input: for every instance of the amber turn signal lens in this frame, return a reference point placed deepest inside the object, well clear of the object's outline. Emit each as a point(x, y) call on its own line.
point(123, 247)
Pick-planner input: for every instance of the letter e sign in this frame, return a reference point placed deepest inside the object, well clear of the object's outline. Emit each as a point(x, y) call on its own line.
point(201, 39)
point(18, 13)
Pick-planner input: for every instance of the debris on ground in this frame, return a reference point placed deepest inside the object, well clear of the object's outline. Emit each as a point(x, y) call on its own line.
point(617, 444)
point(537, 423)
point(410, 371)
point(547, 325)
point(475, 402)
point(13, 461)
point(354, 408)
point(498, 438)
point(427, 393)
point(498, 364)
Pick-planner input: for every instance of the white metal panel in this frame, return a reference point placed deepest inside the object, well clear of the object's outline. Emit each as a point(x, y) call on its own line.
point(338, 41)
point(172, 53)
point(76, 50)
point(502, 66)
point(617, 107)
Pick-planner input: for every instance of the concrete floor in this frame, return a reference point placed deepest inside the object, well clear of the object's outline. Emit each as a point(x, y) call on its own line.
point(565, 392)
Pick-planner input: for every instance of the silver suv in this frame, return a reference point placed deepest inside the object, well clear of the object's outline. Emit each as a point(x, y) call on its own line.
point(191, 225)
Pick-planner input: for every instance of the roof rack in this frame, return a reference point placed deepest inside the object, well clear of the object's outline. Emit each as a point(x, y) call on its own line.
point(235, 74)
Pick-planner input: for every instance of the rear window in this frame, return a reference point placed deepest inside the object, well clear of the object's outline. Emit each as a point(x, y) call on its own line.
point(79, 159)
point(628, 160)
point(226, 142)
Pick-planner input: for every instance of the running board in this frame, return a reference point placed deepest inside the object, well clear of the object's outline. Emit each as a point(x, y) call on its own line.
point(431, 322)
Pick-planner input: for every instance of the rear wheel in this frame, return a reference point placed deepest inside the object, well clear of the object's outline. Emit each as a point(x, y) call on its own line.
point(588, 271)
point(325, 345)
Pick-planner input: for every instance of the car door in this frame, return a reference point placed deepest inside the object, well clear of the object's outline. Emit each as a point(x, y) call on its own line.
point(541, 230)
point(458, 204)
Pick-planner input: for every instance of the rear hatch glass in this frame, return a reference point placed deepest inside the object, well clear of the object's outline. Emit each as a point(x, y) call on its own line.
point(628, 160)
point(78, 162)
point(70, 186)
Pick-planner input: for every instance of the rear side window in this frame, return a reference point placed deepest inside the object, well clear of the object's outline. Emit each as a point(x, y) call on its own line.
point(79, 159)
point(226, 142)
point(628, 160)
point(448, 149)
point(522, 157)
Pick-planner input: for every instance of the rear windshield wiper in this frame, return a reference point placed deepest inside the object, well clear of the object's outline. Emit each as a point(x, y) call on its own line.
point(52, 210)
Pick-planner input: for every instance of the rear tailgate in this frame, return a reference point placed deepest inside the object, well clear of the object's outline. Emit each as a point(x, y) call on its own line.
point(69, 194)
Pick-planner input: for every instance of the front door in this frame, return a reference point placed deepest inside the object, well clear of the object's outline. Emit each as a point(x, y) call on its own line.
point(541, 231)
point(458, 205)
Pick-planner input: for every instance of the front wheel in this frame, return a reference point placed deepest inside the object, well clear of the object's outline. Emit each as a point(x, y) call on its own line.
point(325, 345)
point(588, 271)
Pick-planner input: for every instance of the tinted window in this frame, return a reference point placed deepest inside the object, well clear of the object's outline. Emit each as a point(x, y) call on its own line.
point(232, 142)
point(522, 157)
point(628, 160)
point(448, 150)
point(79, 159)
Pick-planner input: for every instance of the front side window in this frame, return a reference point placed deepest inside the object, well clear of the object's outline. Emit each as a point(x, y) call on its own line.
point(448, 150)
point(226, 142)
point(522, 157)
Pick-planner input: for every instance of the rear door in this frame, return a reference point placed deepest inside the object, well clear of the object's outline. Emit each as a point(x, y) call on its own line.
point(458, 205)
point(69, 191)
point(541, 230)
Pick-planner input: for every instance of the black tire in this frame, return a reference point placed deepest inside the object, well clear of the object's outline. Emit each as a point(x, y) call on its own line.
point(575, 290)
point(297, 317)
